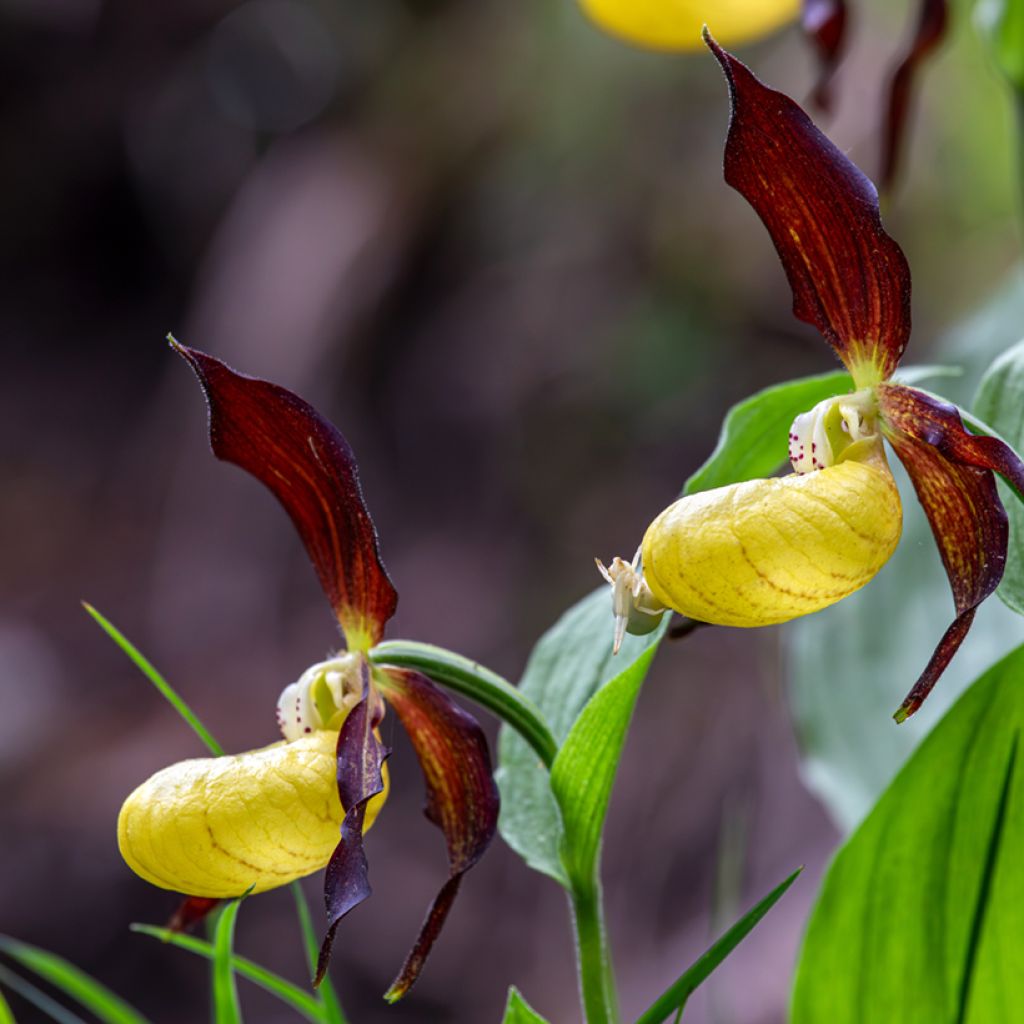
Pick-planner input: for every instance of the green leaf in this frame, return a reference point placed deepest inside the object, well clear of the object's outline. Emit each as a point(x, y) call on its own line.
point(675, 996)
point(571, 662)
point(165, 689)
point(332, 1012)
point(225, 991)
point(518, 1011)
point(921, 916)
point(584, 771)
point(1000, 402)
point(6, 1015)
point(476, 682)
point(1002, 24)
point(38, 998)
point(72, 981)
point(289, 993)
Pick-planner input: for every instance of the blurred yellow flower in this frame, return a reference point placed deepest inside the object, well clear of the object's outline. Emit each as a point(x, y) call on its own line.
point(677, 24)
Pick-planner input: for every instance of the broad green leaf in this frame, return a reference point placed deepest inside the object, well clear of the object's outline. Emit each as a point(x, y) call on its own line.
point(332, 1012)
point(1002, 23)
point(164, 688)
point(570, 663)
point(921, 916)
point(584, 770)
point(72, 981)
point(1000, 402)
point(300, 1000)
point(38, 998)
point(225, 991)
point(674, 998)
point(518, 1011)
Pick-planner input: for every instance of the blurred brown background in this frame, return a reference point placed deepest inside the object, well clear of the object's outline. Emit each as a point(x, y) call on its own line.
point(495, 247)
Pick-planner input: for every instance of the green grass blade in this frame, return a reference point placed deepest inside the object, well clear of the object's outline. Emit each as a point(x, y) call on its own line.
point(73, 982)
point(295, 997)
point(674, 997)
point(38, 998)
point(225, 991)
point(165, 689)
point(6, 1015)
point(332, 1012)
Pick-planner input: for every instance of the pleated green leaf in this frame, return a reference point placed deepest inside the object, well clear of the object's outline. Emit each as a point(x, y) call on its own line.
point(72, 981)
point(921, 916)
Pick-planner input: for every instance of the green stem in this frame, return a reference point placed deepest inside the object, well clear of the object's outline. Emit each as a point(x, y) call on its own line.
point(476, 682)
point(593, 957)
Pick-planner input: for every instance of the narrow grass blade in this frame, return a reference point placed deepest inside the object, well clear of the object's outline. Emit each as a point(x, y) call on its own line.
point(295, 997)
point(225, 991)
point(73, 982)
point(331, 1011)
point(38, 998)
point(674, 997)
point(165, 688)
point(6, 1015)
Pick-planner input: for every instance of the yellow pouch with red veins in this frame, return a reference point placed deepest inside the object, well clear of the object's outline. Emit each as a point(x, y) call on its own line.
point(216, 826)
point(766, 551)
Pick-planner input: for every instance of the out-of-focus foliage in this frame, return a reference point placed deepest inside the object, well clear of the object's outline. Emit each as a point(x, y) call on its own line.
point(1000, 403)
point(1002, 21)
point(921, 914)
point(677, 24)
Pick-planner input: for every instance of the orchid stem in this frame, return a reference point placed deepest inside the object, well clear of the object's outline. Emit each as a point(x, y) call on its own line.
point(593, 956)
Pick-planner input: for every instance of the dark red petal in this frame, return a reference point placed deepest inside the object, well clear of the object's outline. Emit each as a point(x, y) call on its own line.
point(952, 472)
point(361, 758)
point(933, 18)
point(291, 449)
point(849, 278)
point(191, 911)
point(824, 23)
point(462, 798)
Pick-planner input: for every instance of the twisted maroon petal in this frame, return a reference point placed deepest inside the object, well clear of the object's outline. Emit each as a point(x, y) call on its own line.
point(953, 474)
point(824, 23)
point(933, 19)
point(361, 757)
point(462, 798)
point(849, 278)
point(308, 465)
point(191, 911)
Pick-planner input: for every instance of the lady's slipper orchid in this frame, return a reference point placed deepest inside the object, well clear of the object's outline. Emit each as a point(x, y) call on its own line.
point(218, 827)
point(677, 24)
point(767, 551)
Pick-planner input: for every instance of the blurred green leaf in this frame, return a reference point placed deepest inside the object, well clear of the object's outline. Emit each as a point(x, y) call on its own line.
point(570, 663)
point(1000, 402)
point(225, 991)
point(164, 688)
point(72, 981)
point(38, 998)
point(300, 1000)
point(584, 771)
point(921, 916)
point(675, 996)
point(1002, 24)
point(6, 1016)
point(518, 1011)
point(331, 1005)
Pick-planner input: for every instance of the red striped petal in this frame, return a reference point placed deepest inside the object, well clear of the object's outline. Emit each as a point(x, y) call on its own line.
point(849, 278)
point(952, 472)
point(307, 463)
point(462, 798)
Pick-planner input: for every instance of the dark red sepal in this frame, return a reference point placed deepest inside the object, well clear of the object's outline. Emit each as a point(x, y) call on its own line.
point(307, 463)
point(462, 798)
point(361, 757)
point(952, 473)
point(933, 19)
point(849, 278)
point(824, 23)
point(191, 911)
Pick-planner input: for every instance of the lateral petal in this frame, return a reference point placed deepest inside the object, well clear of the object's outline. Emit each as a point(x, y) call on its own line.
point(462, 798)
point(308, 465)
point(849, 278)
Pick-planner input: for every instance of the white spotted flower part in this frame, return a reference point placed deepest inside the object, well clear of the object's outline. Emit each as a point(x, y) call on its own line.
point(817, 438)
point(321, 698)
